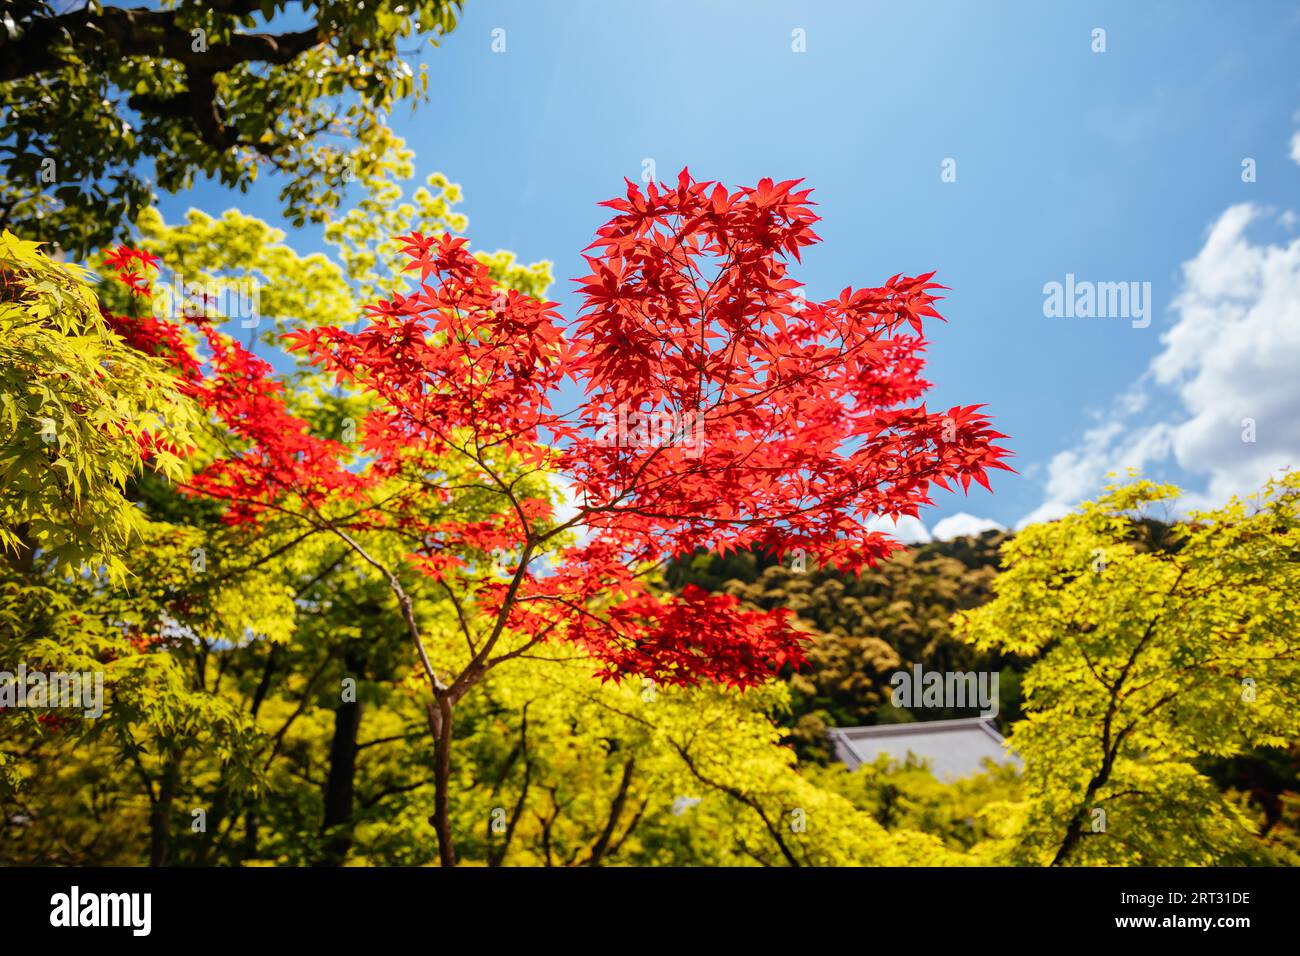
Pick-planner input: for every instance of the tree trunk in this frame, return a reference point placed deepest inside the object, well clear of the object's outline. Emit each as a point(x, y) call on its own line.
point(440, 725)
point(615, 811)
point(160, 814)
point(336, 827)
point(251, 839)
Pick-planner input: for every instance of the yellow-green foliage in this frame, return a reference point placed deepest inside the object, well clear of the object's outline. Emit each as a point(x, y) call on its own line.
point(1158, 646)
point(75, 402)
point(144, 652)
point(556, 769)
point(227, 253)
point(365, 236)
point(976, 816)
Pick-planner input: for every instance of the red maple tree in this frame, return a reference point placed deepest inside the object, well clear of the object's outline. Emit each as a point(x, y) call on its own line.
point(762, 420)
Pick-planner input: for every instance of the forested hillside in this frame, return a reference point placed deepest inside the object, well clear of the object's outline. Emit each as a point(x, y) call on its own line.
point(863, 628)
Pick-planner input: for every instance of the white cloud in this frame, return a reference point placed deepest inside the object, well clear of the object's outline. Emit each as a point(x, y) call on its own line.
point(908, 530)
point(1229, 364)
point(568, 506)
point(962, 524)
point(1077, 473)
point(1295, 146)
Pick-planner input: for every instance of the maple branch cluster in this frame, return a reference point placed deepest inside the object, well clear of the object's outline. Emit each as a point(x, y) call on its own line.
point(810, 413)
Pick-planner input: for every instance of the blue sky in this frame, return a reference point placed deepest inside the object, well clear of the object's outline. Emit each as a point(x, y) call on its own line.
point(1113, 166)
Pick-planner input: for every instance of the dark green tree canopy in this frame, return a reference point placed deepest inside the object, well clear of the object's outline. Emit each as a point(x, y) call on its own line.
point(91, 96)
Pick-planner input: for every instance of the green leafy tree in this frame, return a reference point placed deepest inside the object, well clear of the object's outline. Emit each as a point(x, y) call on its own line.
point(93, 95)
point(1157, 649)
point(564, 772)
point(305, 617)
point(77, 405)
point(975, 816)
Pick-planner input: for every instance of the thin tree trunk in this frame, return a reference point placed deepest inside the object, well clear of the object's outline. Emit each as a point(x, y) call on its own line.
point(160, 814)
point(251, 835)
point(440, 725)
point(615, 811)
point(497, 854)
